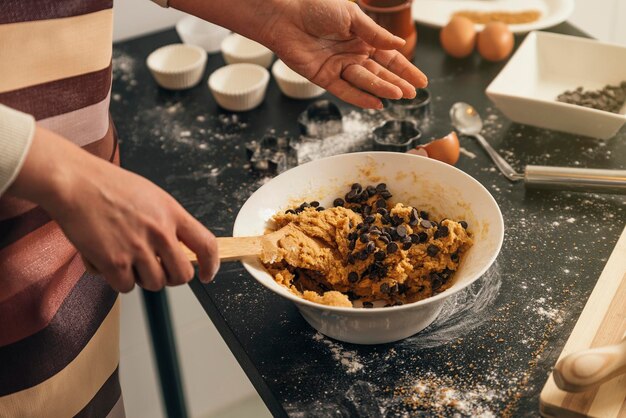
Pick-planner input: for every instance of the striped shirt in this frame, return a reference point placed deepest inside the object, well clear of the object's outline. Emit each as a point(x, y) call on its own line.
point(59, 326)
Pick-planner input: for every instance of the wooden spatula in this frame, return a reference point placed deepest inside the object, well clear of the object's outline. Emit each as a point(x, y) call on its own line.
point(237, 248)
point(586, 369)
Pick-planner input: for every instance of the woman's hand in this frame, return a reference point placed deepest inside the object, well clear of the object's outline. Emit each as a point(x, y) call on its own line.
point(337, 46)
point(331, 42)
point(124, 225)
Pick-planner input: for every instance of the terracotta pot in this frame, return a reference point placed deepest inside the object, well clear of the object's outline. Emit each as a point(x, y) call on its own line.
point(395, 16)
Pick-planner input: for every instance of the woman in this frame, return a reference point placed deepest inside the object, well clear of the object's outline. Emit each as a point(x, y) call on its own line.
point(61, 196)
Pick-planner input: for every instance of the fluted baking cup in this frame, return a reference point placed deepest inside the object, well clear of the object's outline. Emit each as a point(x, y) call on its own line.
point(177, 66)
point(293, 84)
point(239, 87)
point(206, 35)
point(239, 49)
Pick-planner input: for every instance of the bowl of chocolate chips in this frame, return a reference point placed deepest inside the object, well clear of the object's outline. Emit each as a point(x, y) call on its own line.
point(376, 241)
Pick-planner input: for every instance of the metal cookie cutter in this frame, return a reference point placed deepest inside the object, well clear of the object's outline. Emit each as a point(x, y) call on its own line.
point(414, 109)
point(396, 135)
point(321, 120)
point(271, 154)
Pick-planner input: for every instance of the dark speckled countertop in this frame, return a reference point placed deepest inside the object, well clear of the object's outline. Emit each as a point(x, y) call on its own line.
point(490, 351)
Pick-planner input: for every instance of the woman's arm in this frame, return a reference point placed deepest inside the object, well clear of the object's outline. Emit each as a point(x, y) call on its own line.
point(119, 221)
point(330, 42)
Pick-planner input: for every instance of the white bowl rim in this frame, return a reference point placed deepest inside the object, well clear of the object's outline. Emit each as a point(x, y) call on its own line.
point(533, 37)
point(265, 78)
point(225, 47)
point(202, 58)
point(277, 73)
point(499, 222)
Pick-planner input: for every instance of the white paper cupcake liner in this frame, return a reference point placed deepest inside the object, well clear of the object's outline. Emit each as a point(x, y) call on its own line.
point(177, 66)
point(239, 87)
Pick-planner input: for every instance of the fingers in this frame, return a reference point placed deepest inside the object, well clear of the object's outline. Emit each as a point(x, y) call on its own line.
point(177, 267)
point(350, 94)
point(118, 273)
point(365, 80)
point(402, 67)
point(202, 242)
point(408, 91)
point(151, 274)
point(365, 28)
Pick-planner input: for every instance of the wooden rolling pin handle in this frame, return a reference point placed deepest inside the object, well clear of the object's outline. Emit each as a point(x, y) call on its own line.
point(583, 370)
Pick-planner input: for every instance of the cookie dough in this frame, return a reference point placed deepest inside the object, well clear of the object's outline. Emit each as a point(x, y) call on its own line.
point(365, 249)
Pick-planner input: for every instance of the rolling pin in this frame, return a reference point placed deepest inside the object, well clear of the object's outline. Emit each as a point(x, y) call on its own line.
point(587, 369)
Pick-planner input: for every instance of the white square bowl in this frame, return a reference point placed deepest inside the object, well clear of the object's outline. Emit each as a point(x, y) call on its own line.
point(546, 65)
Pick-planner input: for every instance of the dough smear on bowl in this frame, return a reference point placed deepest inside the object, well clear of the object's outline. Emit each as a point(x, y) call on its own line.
point(365, 249)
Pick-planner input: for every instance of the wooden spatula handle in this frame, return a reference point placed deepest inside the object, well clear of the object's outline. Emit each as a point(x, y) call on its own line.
point(583, 370)
point(231, 248)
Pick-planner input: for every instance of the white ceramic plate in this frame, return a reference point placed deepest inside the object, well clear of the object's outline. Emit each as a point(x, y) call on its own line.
point(437, 13)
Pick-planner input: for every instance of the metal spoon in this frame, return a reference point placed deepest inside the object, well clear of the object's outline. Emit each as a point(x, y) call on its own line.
point(467, 121)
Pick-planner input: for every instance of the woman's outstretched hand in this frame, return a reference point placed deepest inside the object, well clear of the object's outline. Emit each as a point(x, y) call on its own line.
point(337, 46)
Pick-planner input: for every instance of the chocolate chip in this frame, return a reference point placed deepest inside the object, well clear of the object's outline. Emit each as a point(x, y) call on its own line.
point(406, 245)
point(386, 219)
point(401, 231)
point(454, 257)
point(353, 235)
point(423, 214)
point(351, 196)
point(436, 281)
point(414, 214)
point(319, 208)
point(413, 222)
point(371, 247)
point(371, 190)
point(290, 211)
point(364, 238)
point(351, 245)
point(384, 239)
point(432, 250)
point(442, 231)
point(415, 239)
point(379, 255)
point(384, 288)
point(423, 236)
point(353, 277)
point(398, 303)
point(369, 219)
point(392, 247)
point(394, 235)
point(338, 202)
point(397, 220)
point(381, 204)
point(385, 194)
point(394, 289)
point(367, 210)
point(380, 187)
point(362, 255)
point(314, 203)
point(351, 259)
point(356, 186)
point(304, 205)
point(425, 223)
point(463, 224)
point(382, 211)
point(368, 305)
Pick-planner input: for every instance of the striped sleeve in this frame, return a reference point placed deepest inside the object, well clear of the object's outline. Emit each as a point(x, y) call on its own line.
point(16, 134)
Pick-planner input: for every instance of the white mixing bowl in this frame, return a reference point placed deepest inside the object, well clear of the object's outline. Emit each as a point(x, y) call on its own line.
point(427, 184)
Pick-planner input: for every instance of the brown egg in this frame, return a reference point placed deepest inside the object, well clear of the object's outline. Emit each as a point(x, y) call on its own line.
point(458, 37)
point(446, 149)
point(495, 42)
